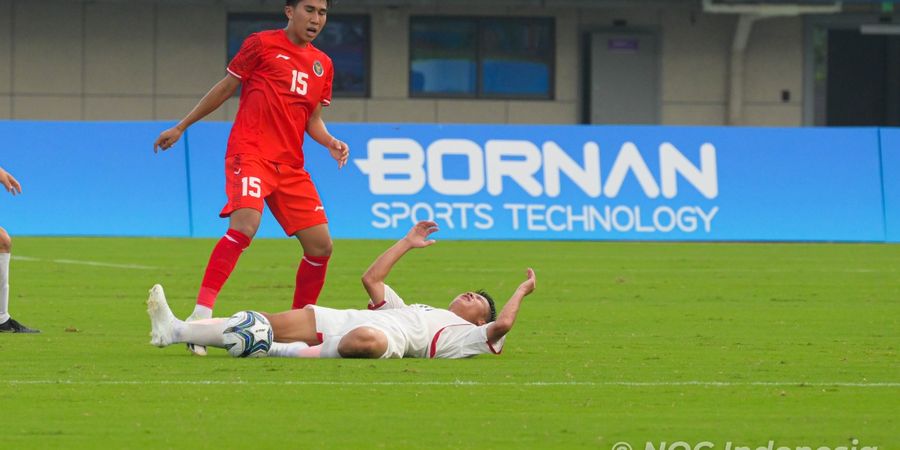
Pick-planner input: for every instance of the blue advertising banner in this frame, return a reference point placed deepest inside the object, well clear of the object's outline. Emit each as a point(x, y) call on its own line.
point(890, 162)
point(205, 144)
point(84, 178)
point(596, 182)
point(477, 182)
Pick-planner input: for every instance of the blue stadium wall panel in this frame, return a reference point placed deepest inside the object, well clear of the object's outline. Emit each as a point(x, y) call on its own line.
point(890, 160)
point(477, 182)
point(84, 178)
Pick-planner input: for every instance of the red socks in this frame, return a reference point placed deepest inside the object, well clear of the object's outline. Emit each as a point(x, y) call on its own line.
point(222, 261)
point(310, 278)
point(310, 274)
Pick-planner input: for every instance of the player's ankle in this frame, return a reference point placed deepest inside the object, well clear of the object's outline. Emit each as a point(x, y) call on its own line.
point(200, 312)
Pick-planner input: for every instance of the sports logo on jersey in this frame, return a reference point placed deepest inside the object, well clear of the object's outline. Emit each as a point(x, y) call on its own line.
point(318, 69)
point(284, 57)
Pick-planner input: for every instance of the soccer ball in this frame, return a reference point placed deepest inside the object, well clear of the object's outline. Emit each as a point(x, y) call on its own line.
point(248, 335)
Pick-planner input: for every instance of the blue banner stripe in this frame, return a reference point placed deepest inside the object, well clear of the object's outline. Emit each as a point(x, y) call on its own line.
point(477, 182)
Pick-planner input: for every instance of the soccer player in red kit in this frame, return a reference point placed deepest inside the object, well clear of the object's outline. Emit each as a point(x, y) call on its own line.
point(285, 83)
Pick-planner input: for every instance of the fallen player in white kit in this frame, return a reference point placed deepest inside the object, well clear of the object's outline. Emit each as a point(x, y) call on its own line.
point(388, 329)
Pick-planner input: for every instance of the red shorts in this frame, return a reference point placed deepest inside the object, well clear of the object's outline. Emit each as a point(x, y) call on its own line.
point(289, 191)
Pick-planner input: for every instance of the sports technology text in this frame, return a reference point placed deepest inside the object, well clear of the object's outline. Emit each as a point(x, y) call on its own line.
point(398, 168)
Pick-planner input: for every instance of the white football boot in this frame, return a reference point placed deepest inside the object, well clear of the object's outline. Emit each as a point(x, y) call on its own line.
point(162, 321)
point(199, 350)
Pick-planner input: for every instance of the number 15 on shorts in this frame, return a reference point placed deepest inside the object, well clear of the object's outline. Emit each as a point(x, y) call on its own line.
point(251, 187)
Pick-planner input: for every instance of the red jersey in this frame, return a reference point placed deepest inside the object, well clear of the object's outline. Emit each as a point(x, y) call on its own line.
point(282, 84)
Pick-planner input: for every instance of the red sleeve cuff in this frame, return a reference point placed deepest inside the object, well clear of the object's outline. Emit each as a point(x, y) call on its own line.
point(377, 306)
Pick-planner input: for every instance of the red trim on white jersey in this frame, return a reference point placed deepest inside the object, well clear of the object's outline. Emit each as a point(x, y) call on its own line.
point(321, 337)
point(236, 75)
point(493, 350)
point(434, 340)
point(378, 306)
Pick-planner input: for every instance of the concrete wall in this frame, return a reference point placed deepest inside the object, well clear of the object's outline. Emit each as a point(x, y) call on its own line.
point(695, 67)
point(103, 60)
point(774, 64)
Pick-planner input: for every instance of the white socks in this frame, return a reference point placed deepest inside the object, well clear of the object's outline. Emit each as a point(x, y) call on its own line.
point(209, 332)
point(201, 332)
point(294, 350)
point(200, 312)
point(4, 287)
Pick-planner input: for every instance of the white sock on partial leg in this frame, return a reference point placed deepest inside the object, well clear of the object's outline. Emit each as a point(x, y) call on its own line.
point(4, 287)
point(294, 350)
point(202, 332)
point(200, 312)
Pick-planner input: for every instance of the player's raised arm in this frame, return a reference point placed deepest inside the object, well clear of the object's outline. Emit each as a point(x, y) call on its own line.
point(9, 182)
point(417, 237)
point(316, 128)
point(223, 90)
point(498, 328)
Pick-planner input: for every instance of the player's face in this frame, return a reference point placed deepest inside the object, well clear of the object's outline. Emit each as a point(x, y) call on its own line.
point(472, 307)
point(307, 18)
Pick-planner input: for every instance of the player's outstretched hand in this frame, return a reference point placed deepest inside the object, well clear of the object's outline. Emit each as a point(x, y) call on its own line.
point(167, 139)
point(340, 151)
point(9, 182)
point(418, 234)
point(528, 285)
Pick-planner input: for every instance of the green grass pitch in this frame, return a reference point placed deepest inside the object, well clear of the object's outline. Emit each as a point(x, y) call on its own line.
point(634, 342)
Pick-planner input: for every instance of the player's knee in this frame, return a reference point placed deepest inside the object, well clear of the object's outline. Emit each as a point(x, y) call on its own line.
point(326, 248)
point(247, 229)
point(246, 221)
point(321, 248)
point(5, 241)
point(363, 342)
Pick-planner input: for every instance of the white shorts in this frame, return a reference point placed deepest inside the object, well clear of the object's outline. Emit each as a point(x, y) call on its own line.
point(334, 324)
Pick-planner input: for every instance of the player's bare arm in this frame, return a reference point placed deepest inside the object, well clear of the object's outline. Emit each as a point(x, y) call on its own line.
point(417, 237)
point(316, 128)
point(9, 182)
point(223, 90)
point(507, 317)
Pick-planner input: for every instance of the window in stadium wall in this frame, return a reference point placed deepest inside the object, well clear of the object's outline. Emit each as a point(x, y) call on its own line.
point(481, 57)
point(855, 75)
point(345, 40)
point(443, 57)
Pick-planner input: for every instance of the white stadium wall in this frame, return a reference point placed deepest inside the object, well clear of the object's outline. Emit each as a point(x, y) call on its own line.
point(116, 60)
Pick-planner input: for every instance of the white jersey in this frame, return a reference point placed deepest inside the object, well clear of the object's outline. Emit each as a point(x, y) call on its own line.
point(438, 333)
point(413, 331)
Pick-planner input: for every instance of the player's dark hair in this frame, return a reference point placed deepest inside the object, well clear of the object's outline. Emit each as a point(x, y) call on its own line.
point(490, 301)
point(293, 3)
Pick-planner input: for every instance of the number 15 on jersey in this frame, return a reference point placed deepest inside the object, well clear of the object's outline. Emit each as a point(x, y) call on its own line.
point(299, 83)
